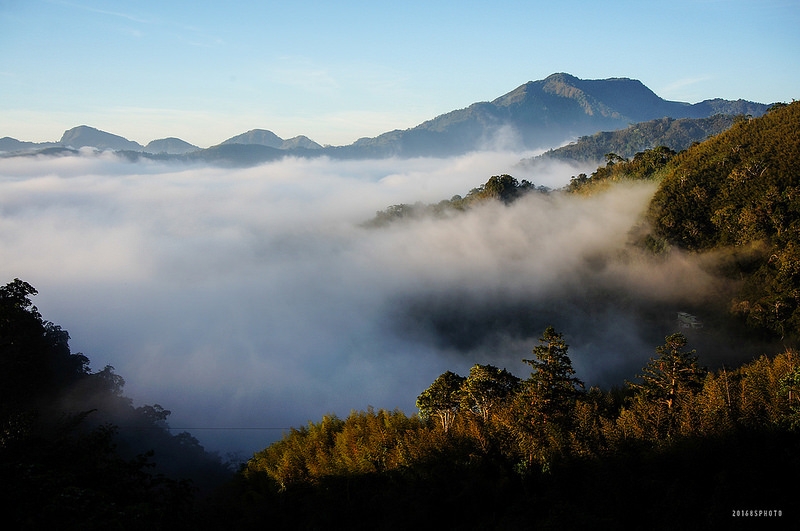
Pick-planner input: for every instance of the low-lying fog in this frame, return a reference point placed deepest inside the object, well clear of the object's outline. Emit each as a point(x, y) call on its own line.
point(253, 298)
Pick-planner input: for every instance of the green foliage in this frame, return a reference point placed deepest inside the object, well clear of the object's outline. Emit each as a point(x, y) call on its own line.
point(790, 388)
point(442, 399)
point(674, 134)
point(667, 382)
point(683, 437)
point(544, 407)
point(651, 165)
point(35, 360)
point(486, 388)
point(740, 189)
point(544, 421)
point(504, 188)
point(552, 385)
point(365, 442)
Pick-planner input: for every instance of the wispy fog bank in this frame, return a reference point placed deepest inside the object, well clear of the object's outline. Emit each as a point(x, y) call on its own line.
point(253, 298)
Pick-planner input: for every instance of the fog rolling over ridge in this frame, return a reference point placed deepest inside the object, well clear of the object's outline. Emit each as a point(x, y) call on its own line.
point(254, 298)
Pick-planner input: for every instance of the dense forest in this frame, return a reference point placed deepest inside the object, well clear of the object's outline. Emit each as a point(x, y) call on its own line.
point(675, 134)
point(74, 451)
point(676, 444)
point(493, 451)
point(738, 195)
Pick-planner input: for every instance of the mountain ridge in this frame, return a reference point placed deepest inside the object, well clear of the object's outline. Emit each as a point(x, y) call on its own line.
point(264, 137)
point(536, 115)
point(85, 136)
point(543, 114)
point(170, 146)
point(676, 134)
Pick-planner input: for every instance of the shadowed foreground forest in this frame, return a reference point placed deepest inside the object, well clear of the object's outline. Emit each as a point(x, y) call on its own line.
point(74, 451)
point(675, 445)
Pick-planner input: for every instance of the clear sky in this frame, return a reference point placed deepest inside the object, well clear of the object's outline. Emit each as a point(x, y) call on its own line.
point(204, 71)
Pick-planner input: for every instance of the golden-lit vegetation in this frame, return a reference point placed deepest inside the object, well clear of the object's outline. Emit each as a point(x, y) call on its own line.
point(677, 445)
point(740, 190)
point(513, 437)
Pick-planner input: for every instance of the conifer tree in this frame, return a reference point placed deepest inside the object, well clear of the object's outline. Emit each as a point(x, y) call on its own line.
point(545, 403)
point(668, 379)
point(552, 383)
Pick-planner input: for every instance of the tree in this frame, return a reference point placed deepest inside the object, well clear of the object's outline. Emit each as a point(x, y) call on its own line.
point(552, 382)
point(673, 371)
point(442, 399)
point(35, 359)
point(61, 464)
point(669, 378)
point(487, 387)
point(613, 158)
point(503, 187)
point(790, 389)
point(546, 401)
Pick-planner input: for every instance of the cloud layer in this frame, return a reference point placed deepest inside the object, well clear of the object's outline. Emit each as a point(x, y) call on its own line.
point(253, 298)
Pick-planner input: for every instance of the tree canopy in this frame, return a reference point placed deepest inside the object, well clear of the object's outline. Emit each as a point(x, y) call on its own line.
point(62, 465)
point(739, 192)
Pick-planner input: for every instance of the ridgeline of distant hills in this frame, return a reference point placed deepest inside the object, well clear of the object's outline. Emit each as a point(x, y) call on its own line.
point(537, 115)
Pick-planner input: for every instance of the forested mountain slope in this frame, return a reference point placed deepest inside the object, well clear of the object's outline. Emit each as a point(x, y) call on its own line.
point(738, 194)
point(540, 114)
point(74, 451)
point(675, 445)
point(676, 134)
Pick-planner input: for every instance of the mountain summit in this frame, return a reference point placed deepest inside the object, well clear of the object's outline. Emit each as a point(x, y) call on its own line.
point(536, 115)
point(542, 114)
point(83, 136)
point(263, 137)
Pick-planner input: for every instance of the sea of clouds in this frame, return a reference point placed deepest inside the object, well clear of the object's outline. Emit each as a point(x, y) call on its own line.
point(247, 301)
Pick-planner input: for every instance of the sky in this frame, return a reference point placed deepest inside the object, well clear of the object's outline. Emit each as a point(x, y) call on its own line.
point(204, 71)
point(254, 297)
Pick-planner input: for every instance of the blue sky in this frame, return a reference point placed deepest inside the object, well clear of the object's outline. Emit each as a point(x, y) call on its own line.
point(337, 71)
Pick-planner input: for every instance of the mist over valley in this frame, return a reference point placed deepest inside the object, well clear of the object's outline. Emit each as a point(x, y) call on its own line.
point(354, 266)
point(256, 298)
point(245, 289)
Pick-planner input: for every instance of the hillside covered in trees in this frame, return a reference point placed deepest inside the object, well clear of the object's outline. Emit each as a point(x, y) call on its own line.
point(677, 444)
point(74, 451)
point(738, 195)
point(675, 134)
point(732, 200)
point(489, 450)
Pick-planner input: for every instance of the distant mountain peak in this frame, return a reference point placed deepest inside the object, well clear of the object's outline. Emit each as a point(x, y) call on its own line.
point(300, 141)
point(543, 114)
point(170, 146)
point(536, 115)
point(85, 136)
point(262, 137)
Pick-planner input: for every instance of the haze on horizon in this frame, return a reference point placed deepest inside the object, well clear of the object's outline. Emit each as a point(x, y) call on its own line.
point(338, 72)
